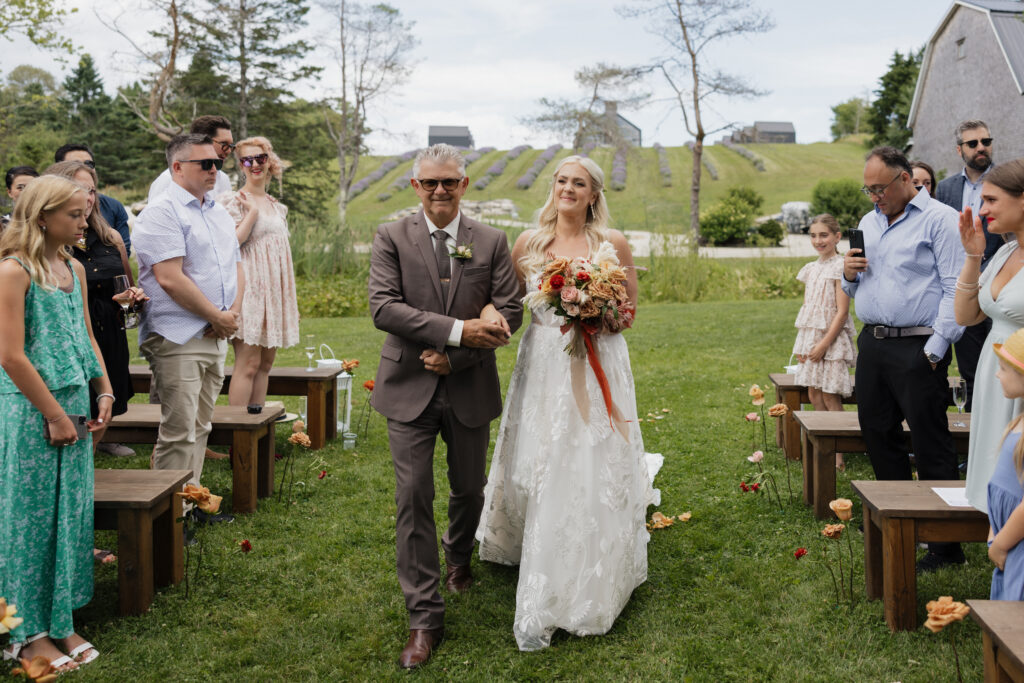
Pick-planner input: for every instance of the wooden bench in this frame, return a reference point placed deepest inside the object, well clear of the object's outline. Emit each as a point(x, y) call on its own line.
point(897, 516)
point(319, 386)
point(1002, 635)
point(825, 433)
point(793, 396)
point(142, 507)
point(251, 438)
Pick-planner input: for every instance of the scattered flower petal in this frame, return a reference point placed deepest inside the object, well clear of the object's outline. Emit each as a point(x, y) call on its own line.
point(799, 552)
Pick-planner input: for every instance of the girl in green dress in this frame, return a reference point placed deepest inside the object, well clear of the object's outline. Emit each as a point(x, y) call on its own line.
point(47, 359)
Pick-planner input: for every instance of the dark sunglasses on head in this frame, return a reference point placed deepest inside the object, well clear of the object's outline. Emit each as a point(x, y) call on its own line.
point(259, 159)
point(987, 142)
point(205, 164)
point(430, 184)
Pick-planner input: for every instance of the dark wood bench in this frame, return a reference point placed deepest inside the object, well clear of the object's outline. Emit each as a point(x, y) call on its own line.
point(897, 516)
point(142, 507)
point(793, 396)
point(319, 386)
point(825, 433)
point(251, 438)
point(1002, 634)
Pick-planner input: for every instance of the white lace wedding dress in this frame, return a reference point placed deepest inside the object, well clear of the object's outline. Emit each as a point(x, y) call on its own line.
point(567, 499)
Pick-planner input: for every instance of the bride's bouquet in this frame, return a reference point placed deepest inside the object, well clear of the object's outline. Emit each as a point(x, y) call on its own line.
point(588, 294)
point(590, 297)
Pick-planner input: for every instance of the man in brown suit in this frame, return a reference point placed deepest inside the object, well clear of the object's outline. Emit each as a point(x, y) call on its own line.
point(438, 374)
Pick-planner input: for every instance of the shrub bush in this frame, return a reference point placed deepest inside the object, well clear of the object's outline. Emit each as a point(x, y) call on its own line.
point(772, 230)
point(843, 199)
point(726, 222)
point(746, 195)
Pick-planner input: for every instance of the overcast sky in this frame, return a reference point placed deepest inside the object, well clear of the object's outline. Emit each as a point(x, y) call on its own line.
point(485, 64)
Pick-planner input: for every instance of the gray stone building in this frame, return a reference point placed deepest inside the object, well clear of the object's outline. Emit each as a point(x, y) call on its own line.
point(613, 128)
point(459, 136)
point(973, 68)
point(766, 131)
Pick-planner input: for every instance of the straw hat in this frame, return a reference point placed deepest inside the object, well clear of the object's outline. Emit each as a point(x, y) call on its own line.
point(1012, 351)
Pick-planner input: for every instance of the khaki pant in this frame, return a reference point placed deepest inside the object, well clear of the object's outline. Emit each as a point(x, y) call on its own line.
point(190, 376)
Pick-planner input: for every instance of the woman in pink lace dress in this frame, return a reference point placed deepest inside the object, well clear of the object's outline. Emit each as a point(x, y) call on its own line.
point(270, 314)
point(824, 343)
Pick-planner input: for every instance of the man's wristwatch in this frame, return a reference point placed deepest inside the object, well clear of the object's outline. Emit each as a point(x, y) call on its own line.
point(932, 358)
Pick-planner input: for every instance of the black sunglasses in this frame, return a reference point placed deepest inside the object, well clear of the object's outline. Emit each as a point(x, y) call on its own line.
point(987, 142)
point(205, 164)
point(90, 163)
point(430, 184)
point(259, 159)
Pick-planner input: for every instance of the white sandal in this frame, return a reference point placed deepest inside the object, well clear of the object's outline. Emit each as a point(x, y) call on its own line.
point(12, 652)
point(76, 654)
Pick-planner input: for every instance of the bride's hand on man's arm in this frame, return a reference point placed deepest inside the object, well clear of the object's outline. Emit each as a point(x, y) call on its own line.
point(490, 314)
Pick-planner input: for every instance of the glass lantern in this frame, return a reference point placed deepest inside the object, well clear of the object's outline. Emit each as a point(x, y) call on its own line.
point(344, 402)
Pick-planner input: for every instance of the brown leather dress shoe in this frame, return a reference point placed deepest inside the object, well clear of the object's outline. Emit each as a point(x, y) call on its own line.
point(421, 644)
point(458, 579)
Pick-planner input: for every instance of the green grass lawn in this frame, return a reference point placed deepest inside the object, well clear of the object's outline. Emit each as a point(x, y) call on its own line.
point(318, 598)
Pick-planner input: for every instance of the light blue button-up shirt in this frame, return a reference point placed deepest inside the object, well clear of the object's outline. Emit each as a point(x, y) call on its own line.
point(912, 269)
point(173, 226)
point(972, 192)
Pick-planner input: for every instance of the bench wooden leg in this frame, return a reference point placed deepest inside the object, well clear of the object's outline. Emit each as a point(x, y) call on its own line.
point(317, 415)
point(244, 471)
point(872, 556)
point(824, 467)
point(265, 462)
point(807, 461)
point(331, 409)
point(791, 437)
point(168, 545)
point(899, 573)
point(1007, 670)
point(134, 561)
point(780, 436)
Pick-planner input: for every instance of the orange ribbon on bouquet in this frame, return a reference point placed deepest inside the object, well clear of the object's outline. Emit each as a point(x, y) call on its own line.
point(579, 385)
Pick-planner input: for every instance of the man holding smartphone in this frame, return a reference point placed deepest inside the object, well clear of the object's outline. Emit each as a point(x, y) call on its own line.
point(904, 293)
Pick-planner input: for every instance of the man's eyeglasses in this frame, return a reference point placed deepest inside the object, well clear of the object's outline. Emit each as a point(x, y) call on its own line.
point(205, 164)
point(879, 191)
point(259, 159)
point(430, 184)
point(985, 142)
point(225, 146)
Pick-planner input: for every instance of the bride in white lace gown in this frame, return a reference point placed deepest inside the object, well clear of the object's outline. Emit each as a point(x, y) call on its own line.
point(567, 495)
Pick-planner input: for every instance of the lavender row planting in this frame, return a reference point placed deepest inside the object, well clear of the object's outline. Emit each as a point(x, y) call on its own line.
point(476, 154)
point(618, 182)
point(705, 162)
point(526, 180)
point(745, 153)
point(588, 148)
point(663, 167)
point(498, 167)
point(389, 165)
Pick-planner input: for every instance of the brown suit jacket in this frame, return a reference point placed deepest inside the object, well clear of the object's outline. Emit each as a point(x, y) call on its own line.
point(405, 301)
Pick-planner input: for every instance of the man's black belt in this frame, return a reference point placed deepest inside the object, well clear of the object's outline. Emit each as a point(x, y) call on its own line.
point(884, 332)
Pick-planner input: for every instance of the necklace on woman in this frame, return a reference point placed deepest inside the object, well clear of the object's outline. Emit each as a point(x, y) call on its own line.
point(59, 272)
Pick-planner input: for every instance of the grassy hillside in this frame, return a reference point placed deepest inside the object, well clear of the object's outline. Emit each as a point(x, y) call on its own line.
point(791, 171)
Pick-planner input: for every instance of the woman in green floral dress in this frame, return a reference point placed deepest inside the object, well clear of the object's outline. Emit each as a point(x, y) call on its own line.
point(47, 356)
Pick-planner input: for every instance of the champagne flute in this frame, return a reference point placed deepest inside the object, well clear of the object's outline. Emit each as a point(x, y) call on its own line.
point(310, 350)
point(120, 287)
point(959, 398)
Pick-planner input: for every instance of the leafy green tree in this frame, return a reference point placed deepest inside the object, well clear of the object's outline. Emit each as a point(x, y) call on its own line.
point(843, 199)
point(889, 112)
point(41, 21)
point(248, 41)
point(84, 99)
point(849, 118)
point(32, 117)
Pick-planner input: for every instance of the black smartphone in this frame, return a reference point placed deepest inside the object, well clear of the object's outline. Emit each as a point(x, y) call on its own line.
point(81, 426)
point(857, 241)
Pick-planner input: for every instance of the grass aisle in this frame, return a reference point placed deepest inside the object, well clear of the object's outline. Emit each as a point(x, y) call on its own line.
point(317, 598)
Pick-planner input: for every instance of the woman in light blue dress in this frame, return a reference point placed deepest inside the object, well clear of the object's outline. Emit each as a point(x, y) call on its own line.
point(48, 358)
point(998, 293)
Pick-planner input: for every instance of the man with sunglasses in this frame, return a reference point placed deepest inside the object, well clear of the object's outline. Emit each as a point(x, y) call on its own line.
point(431, 275)
point(903, 285)
point(974, 146)
point(190, 265)
point(218, 129)
point(113, 211)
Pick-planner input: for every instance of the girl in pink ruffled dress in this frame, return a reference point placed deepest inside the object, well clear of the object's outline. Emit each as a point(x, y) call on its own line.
point(824, 341)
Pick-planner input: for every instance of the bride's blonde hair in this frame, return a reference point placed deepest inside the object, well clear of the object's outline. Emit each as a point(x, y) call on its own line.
point(595, 228)
point(24, 237)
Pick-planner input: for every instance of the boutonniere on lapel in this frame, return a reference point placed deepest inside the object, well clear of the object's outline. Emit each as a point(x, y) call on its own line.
point(463, 252)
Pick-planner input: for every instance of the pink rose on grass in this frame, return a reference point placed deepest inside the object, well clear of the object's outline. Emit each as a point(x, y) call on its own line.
point(753, 417)
point(758, 456)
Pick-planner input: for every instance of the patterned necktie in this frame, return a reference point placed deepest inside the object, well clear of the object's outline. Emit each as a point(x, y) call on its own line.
point(444, 264)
